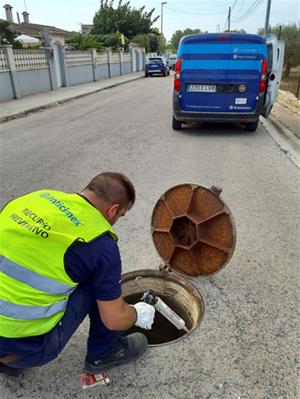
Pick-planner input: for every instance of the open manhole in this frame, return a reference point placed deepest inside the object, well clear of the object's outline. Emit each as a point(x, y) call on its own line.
point(194, 234)
point(179, 294)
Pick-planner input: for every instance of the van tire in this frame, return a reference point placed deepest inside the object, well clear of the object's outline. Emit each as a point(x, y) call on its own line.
point(176, 125)
point(251, 126)
point(146, 75)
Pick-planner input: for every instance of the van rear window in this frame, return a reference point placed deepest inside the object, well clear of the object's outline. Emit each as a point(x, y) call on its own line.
point(155, 61)
point(214, 38)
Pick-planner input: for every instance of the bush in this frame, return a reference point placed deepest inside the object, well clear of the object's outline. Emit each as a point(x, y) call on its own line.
point(86, 41)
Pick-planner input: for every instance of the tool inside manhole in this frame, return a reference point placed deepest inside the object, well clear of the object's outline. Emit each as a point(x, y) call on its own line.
point(152, 299)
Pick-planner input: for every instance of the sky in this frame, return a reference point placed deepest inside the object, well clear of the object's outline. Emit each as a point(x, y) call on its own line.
point(207, 15)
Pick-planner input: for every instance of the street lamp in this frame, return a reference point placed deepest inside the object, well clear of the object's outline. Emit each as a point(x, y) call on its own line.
point(162, 15)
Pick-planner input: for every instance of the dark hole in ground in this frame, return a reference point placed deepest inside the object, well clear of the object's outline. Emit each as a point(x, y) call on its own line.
point(162, 330)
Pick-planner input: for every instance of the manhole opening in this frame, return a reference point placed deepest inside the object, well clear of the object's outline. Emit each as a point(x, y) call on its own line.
point(180, 295)
point(162, 330)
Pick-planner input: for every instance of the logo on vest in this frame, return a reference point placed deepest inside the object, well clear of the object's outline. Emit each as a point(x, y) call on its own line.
point(61, 206)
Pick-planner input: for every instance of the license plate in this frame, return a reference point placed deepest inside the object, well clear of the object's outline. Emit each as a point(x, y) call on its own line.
point(200, 88)
point(154, 70)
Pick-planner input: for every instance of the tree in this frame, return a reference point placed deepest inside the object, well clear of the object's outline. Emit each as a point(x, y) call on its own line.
point(236, 31)
point(290, 34)
point(143, 40)
point(7, 36)
point(123, 19)
point(175, 39)
point(152, 42)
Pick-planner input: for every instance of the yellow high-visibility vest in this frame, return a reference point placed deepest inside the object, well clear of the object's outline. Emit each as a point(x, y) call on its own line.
point(35, 232)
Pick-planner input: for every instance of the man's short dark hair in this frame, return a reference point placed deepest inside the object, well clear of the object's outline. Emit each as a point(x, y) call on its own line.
point(113, 187)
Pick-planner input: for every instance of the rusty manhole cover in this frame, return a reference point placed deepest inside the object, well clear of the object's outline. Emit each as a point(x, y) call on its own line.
point(193, 230)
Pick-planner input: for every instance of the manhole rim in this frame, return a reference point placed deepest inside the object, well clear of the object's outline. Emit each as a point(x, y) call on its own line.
point(175, 278)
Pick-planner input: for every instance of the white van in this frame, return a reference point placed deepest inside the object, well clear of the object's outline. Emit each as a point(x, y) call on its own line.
point(172, 61)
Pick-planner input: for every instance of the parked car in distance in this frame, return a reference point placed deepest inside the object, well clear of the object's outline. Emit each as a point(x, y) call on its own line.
point(157, 65)
point(172, 61)
point(226, 77)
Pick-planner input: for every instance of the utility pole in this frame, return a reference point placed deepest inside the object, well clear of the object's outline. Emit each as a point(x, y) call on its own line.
point(218, 28)
point(229, 14)
point(162, 15)
point(267, 17)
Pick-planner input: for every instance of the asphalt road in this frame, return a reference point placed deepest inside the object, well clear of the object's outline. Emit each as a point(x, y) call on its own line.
point(246, 346)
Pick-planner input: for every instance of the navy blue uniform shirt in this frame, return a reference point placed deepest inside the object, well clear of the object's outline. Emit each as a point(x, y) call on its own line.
point(98, 261)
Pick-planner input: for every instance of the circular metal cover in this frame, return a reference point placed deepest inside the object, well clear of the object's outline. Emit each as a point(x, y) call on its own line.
point(193, 230)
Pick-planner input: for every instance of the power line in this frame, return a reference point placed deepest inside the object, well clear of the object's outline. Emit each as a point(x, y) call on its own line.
point(250, 10)
point(241, 6)
point(194, 13)
point(233, 5)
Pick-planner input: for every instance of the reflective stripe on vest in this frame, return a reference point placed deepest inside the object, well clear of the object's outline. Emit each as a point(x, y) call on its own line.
point(33, 279)
point(25, 312)
point(34, 284)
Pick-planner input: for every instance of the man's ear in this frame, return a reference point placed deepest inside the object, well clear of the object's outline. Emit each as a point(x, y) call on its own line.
point(112, 210)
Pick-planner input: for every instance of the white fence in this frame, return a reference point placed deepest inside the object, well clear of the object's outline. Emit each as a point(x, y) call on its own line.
point(126, 57)
point(3, 61)
point(36, 59)
point(30, 59)
point(102, 58)
point(79, 58)
point(29, 71)
point(115, 58)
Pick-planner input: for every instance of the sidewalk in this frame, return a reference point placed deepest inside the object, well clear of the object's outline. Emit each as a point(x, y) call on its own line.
point(286, 110)
point(18, 108)
point(283, 125)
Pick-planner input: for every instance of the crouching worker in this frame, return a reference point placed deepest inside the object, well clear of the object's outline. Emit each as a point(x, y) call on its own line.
point(59, 261)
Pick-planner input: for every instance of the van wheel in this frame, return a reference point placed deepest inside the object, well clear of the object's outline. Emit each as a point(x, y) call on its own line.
point(176, 125)
point(251, 126)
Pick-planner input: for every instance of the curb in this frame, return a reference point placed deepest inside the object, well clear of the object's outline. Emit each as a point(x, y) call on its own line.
point(65, 100)
point(284, 137)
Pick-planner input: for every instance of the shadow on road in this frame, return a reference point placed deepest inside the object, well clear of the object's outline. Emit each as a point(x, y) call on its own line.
point(216, 130)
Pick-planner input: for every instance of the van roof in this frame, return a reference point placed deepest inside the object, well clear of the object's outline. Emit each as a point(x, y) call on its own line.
point(222, 37)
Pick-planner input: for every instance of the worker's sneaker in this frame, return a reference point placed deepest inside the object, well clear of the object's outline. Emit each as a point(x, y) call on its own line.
point(11, 371)
point(127, 349)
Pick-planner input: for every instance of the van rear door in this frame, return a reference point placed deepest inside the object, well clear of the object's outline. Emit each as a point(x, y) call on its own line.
point(275, 66)
point(205, 65)
point(248, 52)
point(221, 72)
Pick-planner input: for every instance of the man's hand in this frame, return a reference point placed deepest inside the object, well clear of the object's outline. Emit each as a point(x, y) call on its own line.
point(145, 315)
point(117, 315)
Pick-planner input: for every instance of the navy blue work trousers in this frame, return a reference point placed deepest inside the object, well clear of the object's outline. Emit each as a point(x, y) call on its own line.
point(80, 304)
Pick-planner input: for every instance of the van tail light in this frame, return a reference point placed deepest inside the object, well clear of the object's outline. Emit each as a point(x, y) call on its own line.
point(263, 76)
point(177, 71)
